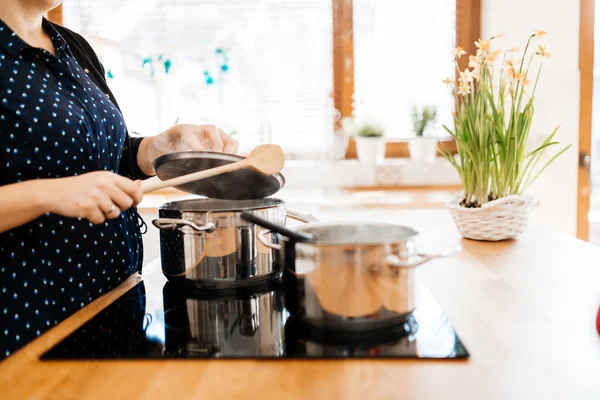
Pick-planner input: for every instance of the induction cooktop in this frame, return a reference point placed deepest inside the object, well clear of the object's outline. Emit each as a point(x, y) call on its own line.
point(157, 319)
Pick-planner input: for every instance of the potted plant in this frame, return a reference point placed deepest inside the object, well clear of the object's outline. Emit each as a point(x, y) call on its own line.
point(370, 140)
point(423, 147)
point(492, 121)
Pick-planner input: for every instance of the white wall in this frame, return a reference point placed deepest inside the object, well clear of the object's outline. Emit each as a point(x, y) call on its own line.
point(557, 99)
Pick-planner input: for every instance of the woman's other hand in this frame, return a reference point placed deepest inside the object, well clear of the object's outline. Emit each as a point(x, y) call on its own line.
point(184, 137)
point(95, 196)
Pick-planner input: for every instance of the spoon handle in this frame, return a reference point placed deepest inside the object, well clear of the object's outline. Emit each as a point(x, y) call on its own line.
point(152, 184)
point(292, 235)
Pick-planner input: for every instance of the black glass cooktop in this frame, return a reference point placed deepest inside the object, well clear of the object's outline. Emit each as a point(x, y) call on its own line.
point(160, 320)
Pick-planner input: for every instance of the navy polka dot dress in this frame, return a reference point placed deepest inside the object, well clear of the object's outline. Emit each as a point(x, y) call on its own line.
point(55, 122)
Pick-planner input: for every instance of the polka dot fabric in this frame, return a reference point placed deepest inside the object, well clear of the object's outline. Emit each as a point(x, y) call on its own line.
point(55, 122)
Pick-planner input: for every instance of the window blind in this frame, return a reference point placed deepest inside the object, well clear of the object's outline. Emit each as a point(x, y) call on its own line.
point(277, 54)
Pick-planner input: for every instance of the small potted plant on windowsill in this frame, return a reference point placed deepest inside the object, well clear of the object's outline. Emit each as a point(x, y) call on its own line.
point(423, 147)
point(370, 140)
point(491, 129)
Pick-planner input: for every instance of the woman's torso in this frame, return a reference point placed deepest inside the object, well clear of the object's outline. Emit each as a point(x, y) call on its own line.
point(54, 123)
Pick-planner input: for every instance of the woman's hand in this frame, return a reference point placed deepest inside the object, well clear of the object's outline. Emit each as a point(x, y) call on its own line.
point(96, 196)
point(183, 138)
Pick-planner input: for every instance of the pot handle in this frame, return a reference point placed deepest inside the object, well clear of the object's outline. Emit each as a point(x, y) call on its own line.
point(173, 224)
point(299, 216)
point(291, 213)
point(421, 258)
point(261, 238)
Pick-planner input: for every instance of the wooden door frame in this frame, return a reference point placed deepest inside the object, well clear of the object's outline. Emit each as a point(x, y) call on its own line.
point(586, 90)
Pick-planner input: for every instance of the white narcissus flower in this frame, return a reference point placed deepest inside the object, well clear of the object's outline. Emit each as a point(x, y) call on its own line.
point(448, 82)
point(539, 33)
point(543, 52)
point(493, 55)
point(483, 45)
point(464, 89)
point(511, 64)
point(473, 61)
point(459, 52)
point(500, 35)
point(466, 76)
point(518, 76)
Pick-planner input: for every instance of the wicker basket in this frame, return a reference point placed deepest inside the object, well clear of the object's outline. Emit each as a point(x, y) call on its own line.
point(501, 219)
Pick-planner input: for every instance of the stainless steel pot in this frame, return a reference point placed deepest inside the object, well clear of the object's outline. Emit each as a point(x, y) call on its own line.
point(356, 276)
point(205, 242)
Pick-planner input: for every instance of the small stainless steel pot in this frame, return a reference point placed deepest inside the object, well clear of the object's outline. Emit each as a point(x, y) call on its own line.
point(351, 276)
point(205, 242)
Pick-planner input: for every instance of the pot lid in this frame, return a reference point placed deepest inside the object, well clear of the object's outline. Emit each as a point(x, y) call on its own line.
point(357, 233)
point(219, 205)
point(243, 184)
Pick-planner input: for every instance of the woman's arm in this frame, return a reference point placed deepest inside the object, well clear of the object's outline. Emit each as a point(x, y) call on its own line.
point(96, 196)
point(21, 203)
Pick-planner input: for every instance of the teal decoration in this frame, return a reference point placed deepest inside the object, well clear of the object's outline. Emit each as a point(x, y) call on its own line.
point(148, 62)
point(224, 65)
point(109, 74)
point(209, 80)
point(167, 65)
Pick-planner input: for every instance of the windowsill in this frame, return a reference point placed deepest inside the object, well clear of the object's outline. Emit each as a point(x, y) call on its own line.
point(393, 172)
point(399, 148)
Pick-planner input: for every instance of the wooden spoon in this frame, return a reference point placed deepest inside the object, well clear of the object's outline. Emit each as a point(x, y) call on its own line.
point(268, 159)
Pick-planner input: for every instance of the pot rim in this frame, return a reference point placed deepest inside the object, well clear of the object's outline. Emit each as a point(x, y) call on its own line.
point(412, 234)
point(203, 205)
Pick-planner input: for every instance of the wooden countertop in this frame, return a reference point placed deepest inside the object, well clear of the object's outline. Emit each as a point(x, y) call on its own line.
point(525, 309)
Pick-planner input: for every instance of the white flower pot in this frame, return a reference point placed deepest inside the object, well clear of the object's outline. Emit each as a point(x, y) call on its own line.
point(423, 149)
point(370, 150)
point(501, 219)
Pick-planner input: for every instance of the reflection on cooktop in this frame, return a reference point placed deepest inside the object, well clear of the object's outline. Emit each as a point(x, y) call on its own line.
point(158, 320)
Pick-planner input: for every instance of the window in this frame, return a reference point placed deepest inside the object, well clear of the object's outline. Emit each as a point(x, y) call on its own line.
point(403, 50)
point(260, 68)
point(267, 69)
